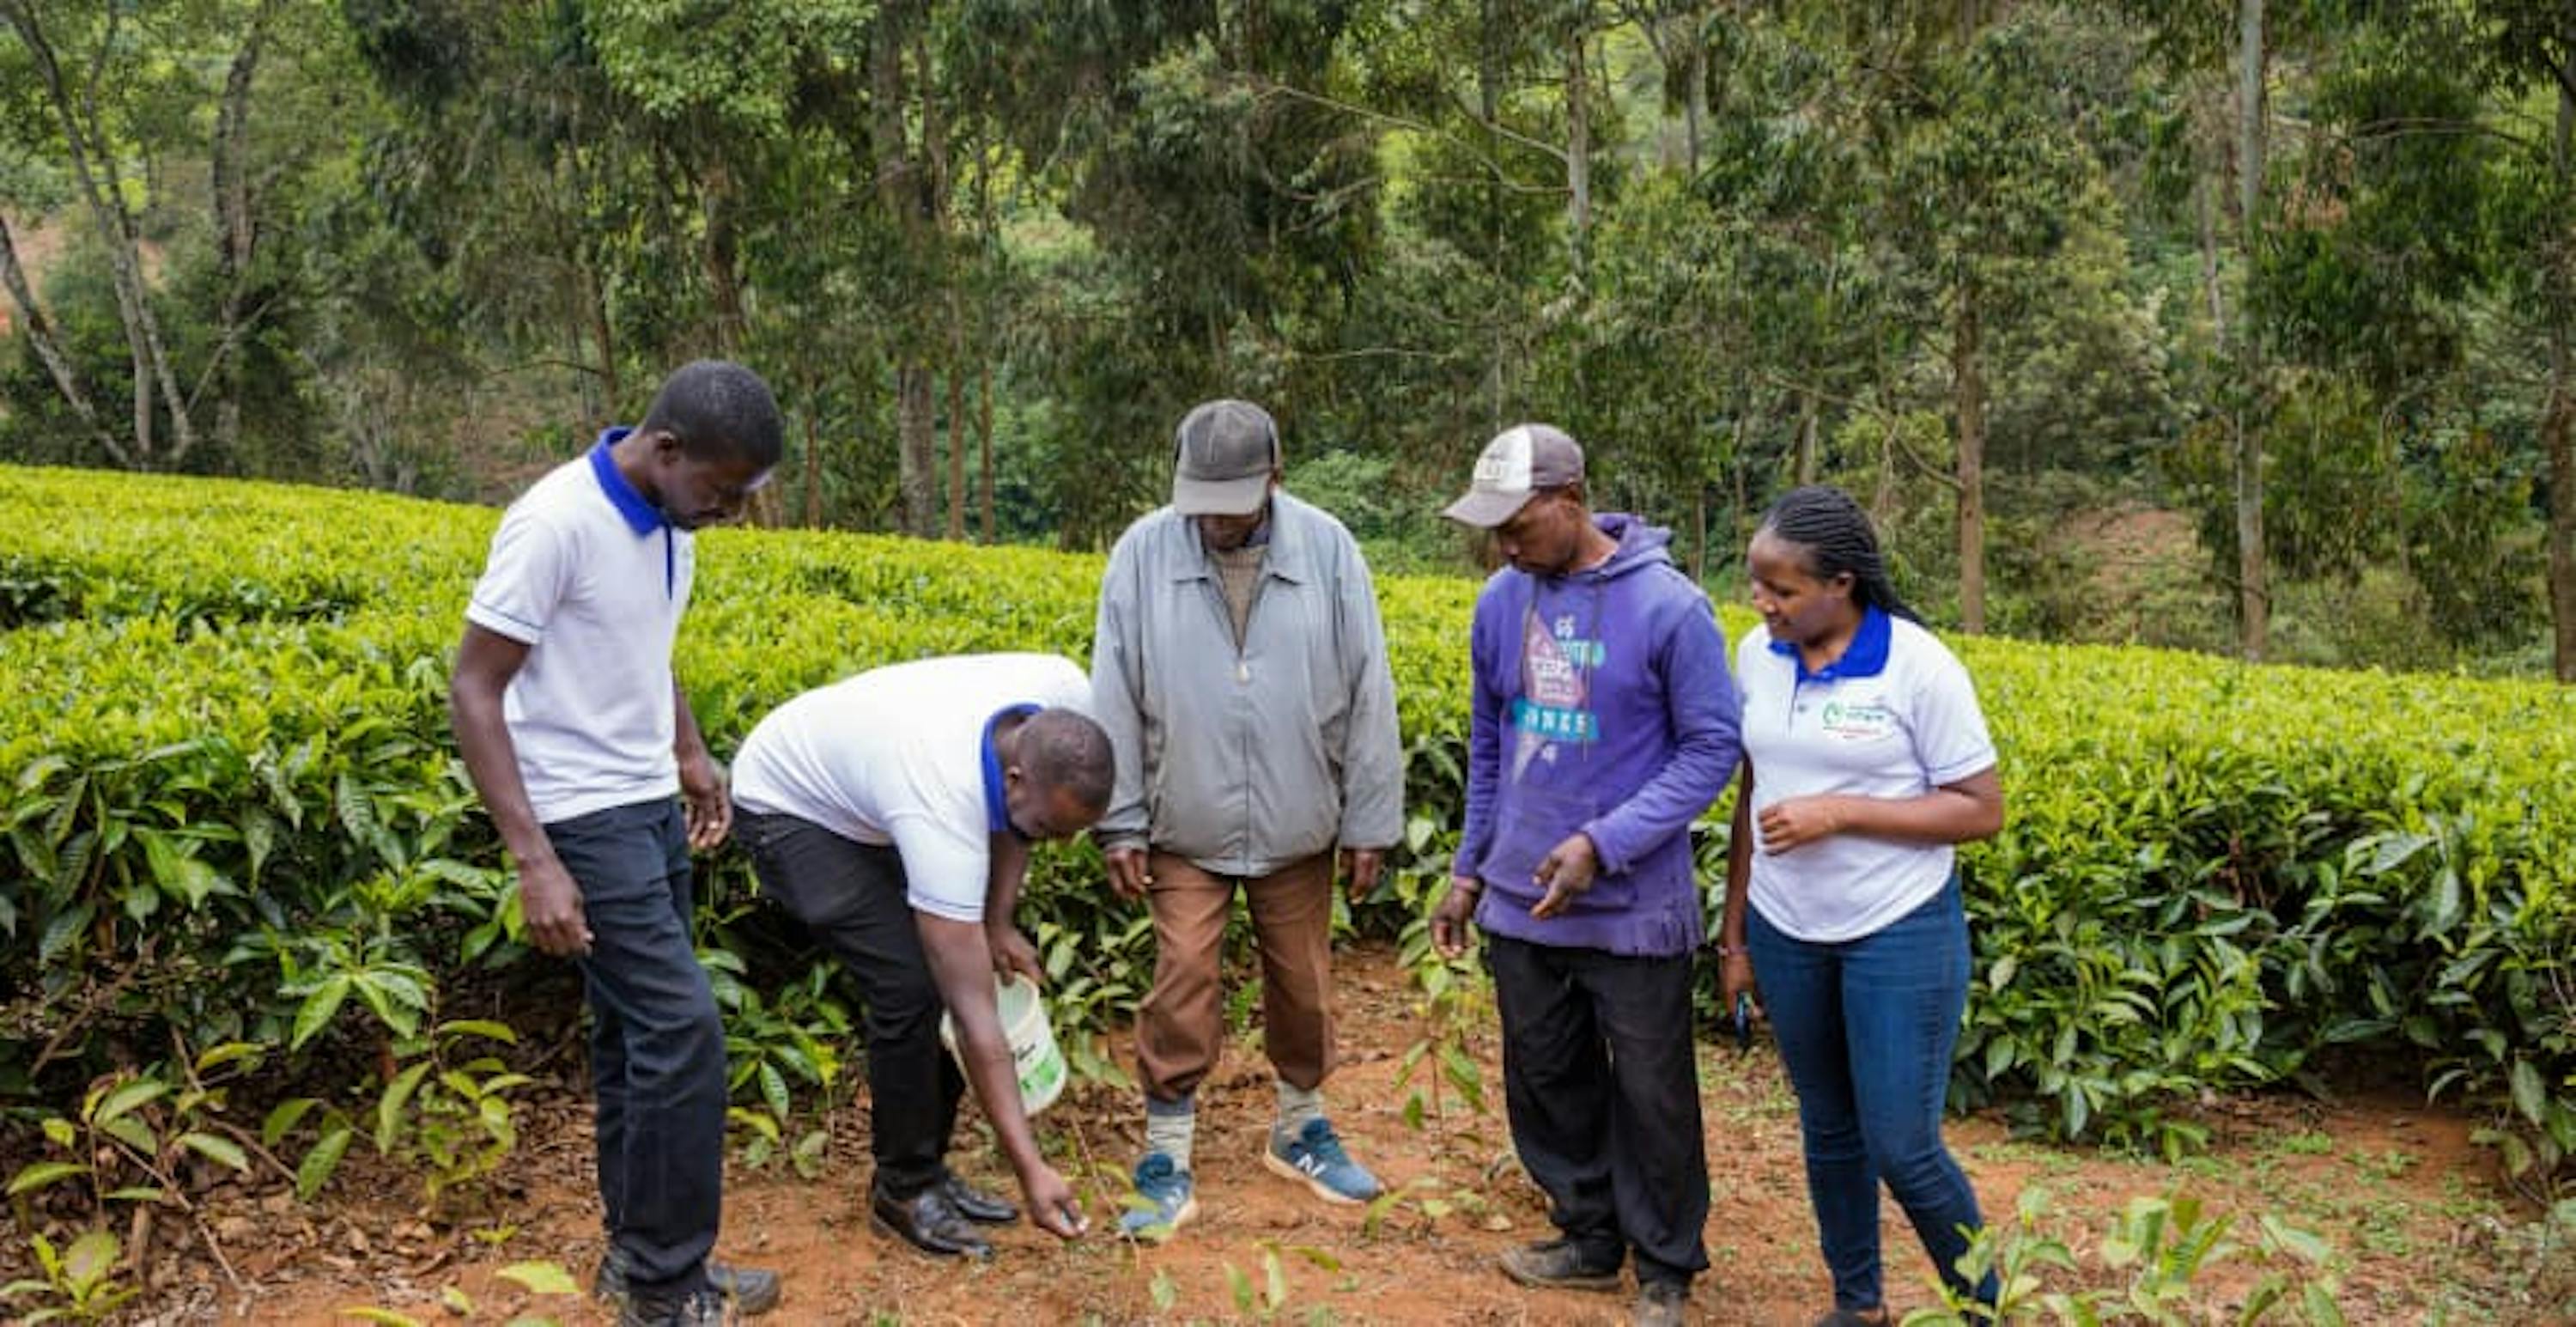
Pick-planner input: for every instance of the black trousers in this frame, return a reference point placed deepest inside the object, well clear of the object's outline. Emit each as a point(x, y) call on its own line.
point(852, 896)
point(1602, 1087)
point(657, 1048)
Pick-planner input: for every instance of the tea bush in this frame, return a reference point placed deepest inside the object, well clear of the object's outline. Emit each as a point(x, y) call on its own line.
point(234, 811)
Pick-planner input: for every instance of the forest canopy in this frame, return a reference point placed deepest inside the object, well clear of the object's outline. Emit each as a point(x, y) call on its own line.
point(2240, 325)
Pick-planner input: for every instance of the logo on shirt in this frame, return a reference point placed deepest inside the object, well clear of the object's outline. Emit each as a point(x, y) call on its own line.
point(1555, 704)
point(1857, 720)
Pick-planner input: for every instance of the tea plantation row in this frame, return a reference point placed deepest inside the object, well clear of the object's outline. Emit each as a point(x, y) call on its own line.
point(233, 812)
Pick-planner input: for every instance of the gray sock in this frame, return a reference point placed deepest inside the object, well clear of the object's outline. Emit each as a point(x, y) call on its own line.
point(1169, 1128)
point(1298, 1105)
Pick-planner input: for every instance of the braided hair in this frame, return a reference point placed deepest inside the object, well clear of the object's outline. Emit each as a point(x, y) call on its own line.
point(1838, 538)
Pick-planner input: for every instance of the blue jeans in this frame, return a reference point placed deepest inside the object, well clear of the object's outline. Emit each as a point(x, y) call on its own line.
point(1866, 1028)
point(657, 1048)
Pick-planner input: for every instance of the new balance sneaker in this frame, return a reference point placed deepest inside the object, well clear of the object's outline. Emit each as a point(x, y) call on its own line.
point(1172, 1196)
point(749, 1291)
point(1313, 1156)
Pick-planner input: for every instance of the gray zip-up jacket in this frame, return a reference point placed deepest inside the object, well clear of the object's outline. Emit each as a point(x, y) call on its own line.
point(1246, 761)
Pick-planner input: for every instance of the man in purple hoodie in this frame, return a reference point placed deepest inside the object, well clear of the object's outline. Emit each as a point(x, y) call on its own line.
point(1604, 724)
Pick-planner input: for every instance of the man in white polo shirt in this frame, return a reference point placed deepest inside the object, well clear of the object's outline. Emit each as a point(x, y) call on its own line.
point(892, 812)
point(583, 748)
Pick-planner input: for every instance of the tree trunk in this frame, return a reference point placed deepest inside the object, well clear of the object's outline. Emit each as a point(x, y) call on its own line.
point(2558, 416)
point(1805, 464)
point(917, 443)
point(935, 165)
point(906, 197)
point(2205, 203)
point(718, 255)
point(92, 155)
point(2558, 440)
point(59, 366)
point(1578, 159)
point(1489, 105)
point(2253, 594)
point(1695, 97)
point(984, 439)
point(1968, 388)
point(603, 338)
point(813, 450)
point(957, 446)
point(237, 235)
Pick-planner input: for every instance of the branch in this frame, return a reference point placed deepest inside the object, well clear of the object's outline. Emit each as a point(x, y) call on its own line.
point(545, 362)
point(2411, 126)
point(1421, 127)
point(1378, 352)
point(233, 330)
point(1896, 440)
point(1846, 402)
point(40, 334)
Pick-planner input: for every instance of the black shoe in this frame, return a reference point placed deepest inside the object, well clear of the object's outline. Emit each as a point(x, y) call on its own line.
point(748, 1291)
point(984, 1209)
point(1661, 1304)
point(1557, 1265)
point(927, 1222)
point(702, 1307)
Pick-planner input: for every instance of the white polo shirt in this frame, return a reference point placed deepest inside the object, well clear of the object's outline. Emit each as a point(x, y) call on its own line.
point(587, 575)
point(903, 755)
point(1895, 717)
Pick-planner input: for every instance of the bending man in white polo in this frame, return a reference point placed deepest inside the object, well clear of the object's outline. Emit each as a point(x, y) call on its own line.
point(892, 812)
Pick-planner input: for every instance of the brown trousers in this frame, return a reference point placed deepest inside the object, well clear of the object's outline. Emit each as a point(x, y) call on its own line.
point(1181, 1025)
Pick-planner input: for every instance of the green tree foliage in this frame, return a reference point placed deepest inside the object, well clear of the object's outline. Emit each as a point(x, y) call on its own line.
point(1987, 263)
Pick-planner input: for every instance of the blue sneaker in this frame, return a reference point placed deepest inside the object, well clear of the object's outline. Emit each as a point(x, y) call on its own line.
point(1314, 1156)
point(1173, 1198)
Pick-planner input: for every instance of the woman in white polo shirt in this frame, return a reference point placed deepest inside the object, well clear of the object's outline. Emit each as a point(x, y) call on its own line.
point(1865, 760)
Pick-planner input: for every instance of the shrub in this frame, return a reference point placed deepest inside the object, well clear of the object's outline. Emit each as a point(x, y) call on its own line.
point(232, 789)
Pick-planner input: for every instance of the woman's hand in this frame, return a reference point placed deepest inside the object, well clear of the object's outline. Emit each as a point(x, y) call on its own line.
point(1794, 822)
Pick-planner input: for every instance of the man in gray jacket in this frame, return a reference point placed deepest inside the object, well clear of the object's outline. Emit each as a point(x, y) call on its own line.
point(1240, 669)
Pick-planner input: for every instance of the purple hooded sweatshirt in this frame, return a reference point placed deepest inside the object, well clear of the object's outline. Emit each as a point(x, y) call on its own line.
point(1603, 704)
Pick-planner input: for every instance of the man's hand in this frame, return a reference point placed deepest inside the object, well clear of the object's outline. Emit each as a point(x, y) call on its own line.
point(1012, 953)
point(1567, 871)
point(1052, 1206)
point(1794, 822)
point(1127, 872)
point(1361, 866)
point(702, 782)
point(551, 903)
point(1450, 916)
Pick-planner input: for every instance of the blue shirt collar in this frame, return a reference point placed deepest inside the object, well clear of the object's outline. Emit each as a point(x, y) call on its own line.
point(1866, 656)
point(997, 809)
point(642, 517)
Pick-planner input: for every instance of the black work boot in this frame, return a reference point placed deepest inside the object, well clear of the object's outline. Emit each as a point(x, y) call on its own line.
point(748, 1291)
point(1557, 1264)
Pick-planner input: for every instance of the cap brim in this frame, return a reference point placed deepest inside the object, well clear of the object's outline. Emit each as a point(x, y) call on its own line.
point(1220, 497)
point(1484, 509)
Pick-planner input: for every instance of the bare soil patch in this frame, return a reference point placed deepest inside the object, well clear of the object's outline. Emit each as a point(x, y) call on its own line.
point(2408, 1200)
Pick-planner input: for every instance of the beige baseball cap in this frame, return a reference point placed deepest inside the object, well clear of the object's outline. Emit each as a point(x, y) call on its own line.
point(1519, 464)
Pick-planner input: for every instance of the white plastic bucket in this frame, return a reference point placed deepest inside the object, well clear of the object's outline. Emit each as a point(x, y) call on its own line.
point(1034, 1055)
